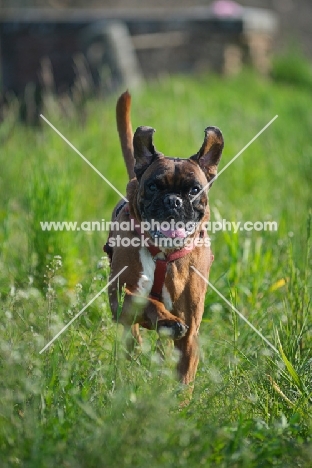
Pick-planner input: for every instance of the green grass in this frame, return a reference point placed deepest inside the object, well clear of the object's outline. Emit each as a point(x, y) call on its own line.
point(81, 404)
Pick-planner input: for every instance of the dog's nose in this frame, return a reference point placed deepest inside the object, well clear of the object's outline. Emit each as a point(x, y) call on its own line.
point(173, 201)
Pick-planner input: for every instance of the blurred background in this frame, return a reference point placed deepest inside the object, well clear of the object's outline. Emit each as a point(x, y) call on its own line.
point(62, 45)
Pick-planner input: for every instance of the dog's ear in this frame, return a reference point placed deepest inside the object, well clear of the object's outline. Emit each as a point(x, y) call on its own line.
point(144, 149)
point(209, 155)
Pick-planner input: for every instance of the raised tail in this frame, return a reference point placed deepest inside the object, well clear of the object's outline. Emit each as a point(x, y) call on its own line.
point(125, 131)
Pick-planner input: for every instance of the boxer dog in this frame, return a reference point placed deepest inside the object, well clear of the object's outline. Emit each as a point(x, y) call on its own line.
point(159, 234)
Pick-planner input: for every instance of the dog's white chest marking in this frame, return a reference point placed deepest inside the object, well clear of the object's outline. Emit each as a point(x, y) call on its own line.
point(147, 276)
point(166, 298)
point(146, 280)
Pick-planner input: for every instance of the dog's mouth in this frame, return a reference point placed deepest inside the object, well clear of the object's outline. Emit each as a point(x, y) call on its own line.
point(173, 232)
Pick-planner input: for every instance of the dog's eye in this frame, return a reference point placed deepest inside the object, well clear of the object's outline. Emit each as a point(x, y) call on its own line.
point(152, 187)
point(194, 190)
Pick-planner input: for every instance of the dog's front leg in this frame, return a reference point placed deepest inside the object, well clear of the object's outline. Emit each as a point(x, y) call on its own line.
point(147, 312)
point(152, 314)
point(189, 357)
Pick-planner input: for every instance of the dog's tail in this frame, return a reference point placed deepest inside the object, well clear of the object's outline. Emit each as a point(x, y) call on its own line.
point(125, 131)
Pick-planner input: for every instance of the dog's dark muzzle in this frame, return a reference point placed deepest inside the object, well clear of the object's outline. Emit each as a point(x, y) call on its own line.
point(173, 202)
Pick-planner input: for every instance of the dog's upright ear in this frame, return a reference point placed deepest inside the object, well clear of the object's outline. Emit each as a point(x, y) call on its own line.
point(209, 155)
point(144, 149)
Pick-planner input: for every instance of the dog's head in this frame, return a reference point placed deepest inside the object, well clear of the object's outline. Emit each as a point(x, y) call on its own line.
point(173, 190)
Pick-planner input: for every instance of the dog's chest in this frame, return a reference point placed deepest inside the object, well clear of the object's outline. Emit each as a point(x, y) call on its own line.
point(146, 279)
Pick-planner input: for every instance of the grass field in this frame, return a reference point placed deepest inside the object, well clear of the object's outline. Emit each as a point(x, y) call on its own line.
point(80, 403)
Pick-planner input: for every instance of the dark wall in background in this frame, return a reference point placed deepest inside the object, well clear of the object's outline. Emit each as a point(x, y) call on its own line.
point(295, 15)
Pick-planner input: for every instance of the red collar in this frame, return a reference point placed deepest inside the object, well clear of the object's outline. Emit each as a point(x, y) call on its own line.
point(161, 263)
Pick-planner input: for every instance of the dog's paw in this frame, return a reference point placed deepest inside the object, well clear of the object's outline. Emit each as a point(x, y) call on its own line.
point(172, 329)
